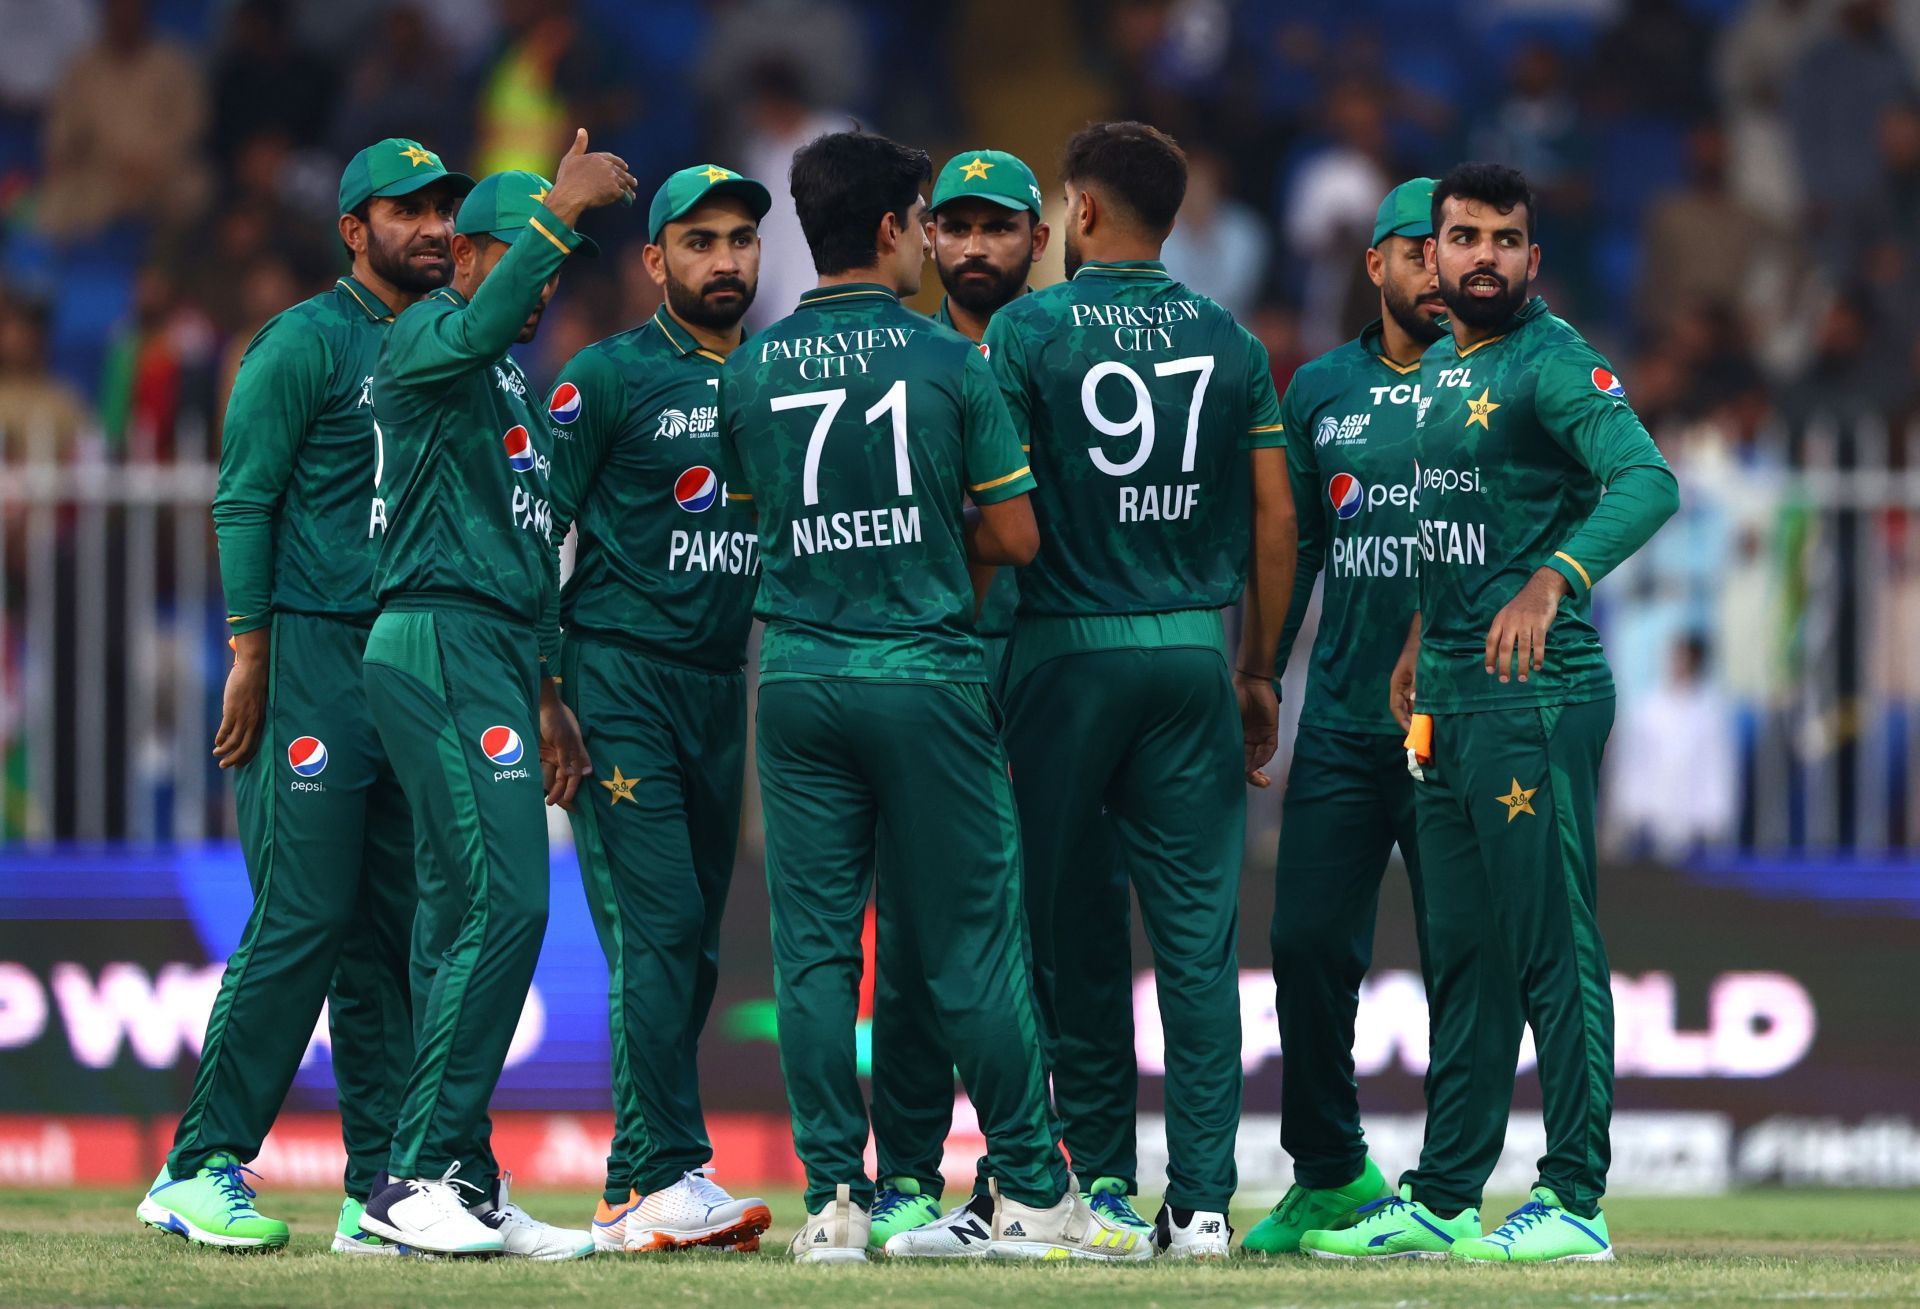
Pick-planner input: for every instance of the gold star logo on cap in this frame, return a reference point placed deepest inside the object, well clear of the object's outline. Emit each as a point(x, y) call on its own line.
point(416, 156)
point(621, 788)
point(714, 174)
point(539, 195)
point(1477, 412)
point(1517, 801)
point(975, 171)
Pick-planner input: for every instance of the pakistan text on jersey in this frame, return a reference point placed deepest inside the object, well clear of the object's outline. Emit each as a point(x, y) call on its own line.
point(1376, 556)
point(1446, 542)
point(835, 354)
point(713, 552)
point(532, 513)
point(1138, 327)
point(859, 529)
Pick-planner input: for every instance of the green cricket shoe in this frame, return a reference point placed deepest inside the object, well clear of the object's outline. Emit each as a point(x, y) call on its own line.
point(1541, 1231)
point(1306, 1209)
point(350, 1238)
point(1108, 1197)
point(213, 1207)
point(1394, 1227)
point(899, 1206)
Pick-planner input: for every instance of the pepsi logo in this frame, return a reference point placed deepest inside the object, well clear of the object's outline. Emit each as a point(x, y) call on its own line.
point(1346, 494)
point(565, 405)
point(502, 745)
point(307, 756)
point(697, 489)
point(519, 449)
point(1606, 382)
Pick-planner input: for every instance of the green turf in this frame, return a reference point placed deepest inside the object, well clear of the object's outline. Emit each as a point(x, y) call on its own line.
point(1762, 1248)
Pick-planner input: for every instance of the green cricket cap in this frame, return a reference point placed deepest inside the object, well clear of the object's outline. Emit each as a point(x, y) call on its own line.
point(503, 204)
point(683, 191)
point(395, 166)
point(1407, 210)
point(991, 175)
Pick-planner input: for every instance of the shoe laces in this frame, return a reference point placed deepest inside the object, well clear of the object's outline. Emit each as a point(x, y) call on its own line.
point(233, 1187)
point(1116, 1207)
point(1521, 1219)
point(1386, 1204)
point(887, 1200)
point(698, 1183)
point(441, 1191)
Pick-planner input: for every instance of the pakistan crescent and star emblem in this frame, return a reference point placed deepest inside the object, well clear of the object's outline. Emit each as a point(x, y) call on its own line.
point(975, 171)
point(414, 155)
point(540, 195)
point(1479, 410)
point(621, 788)
point(713, 174)
point(1518, 801)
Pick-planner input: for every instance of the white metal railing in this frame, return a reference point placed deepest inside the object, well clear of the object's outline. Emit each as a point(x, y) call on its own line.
point(112, 655)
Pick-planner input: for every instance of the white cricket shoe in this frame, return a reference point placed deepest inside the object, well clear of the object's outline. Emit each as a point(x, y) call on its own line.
point(527, 1237)
point(963, 1232)
point(695, 1212)
point(1191, 1233)
point(1068, 1229)
point(835, 1235)
point(425, 1214)
point(610, 1223)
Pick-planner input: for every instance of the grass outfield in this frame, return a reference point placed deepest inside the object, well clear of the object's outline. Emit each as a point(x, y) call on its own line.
point(85, 1248)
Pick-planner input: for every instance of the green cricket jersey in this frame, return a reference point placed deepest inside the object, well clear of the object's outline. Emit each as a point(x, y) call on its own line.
point(1003, 597)
point(664, 561)
point(297, 515)
point(1516, 438)
point(467, 451)
point(1350, 416)
point(857, 428)
point(1140, 399)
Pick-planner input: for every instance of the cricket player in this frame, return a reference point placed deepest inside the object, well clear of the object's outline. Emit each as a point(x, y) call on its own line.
point(1523, 427)
point(468, 614)
point(1349, 797)
point(656, 612)
point(855, 427)
point(985, 225)
point(1156, 442)
point(326, 833)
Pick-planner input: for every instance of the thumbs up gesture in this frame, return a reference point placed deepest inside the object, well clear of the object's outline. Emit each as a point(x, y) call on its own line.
point(586, 181)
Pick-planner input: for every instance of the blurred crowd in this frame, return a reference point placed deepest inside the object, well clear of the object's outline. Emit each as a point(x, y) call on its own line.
point(1730, 206)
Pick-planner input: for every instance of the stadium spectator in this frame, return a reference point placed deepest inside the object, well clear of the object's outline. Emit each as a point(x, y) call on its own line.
point(549, 76)
point(1756, 55)
point(41, 417)
point(402, 84)
point(41, 39)
point(1330, 204)
point(261, 80)
point(1649, 62)
point(1220, 247)
point(159, 368)
point(779, 121)
point(1676, 740)
point(124, 131)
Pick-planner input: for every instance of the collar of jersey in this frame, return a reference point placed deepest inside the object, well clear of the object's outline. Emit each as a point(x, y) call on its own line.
point(370, 304)
point(680, 338)
point(1369, 340)
point(450, 295)
point(848, 291)
point(1145, 268)
point(1526, 313)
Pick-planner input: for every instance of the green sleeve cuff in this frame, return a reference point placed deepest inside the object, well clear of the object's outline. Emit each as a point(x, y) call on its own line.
point(1269, 437)
point(1578, 582)
point(548, 224)
point(994, 490)
point(237, 626)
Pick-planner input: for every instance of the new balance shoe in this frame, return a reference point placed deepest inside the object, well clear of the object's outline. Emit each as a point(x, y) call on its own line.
point(212, 1207)
point(1191, 1233)
point(1541, 1231)
point(526, 1237)
point(1108, 1197)
point(426, 1215)
point(1306, 1209)
point(1395, 1227)
point(835, 1235)
point(610, 1223)
point(695, 1212)
point(900, 1206)
point(965, 1232)
point(351, 1238)
point(1067, 1229)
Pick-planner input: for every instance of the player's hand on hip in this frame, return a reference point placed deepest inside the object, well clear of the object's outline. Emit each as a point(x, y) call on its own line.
point(586, 181)
point(563, 753)
point(243, 707)
point(1259, 724)
point(1517, 641)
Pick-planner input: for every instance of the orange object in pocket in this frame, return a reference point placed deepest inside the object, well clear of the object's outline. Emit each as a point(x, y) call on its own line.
point(1420, 738)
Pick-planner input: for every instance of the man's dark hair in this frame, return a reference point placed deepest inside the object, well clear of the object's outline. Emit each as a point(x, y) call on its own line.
point(1503, 188)
point(1134, 165)
point(843, 183)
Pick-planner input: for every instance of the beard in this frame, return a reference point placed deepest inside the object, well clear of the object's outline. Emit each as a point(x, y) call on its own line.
point(982, 298)
point(1412, 319)
point(691, 306)
point(392, 261)
point(1483, 314)
point(1072, 255)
